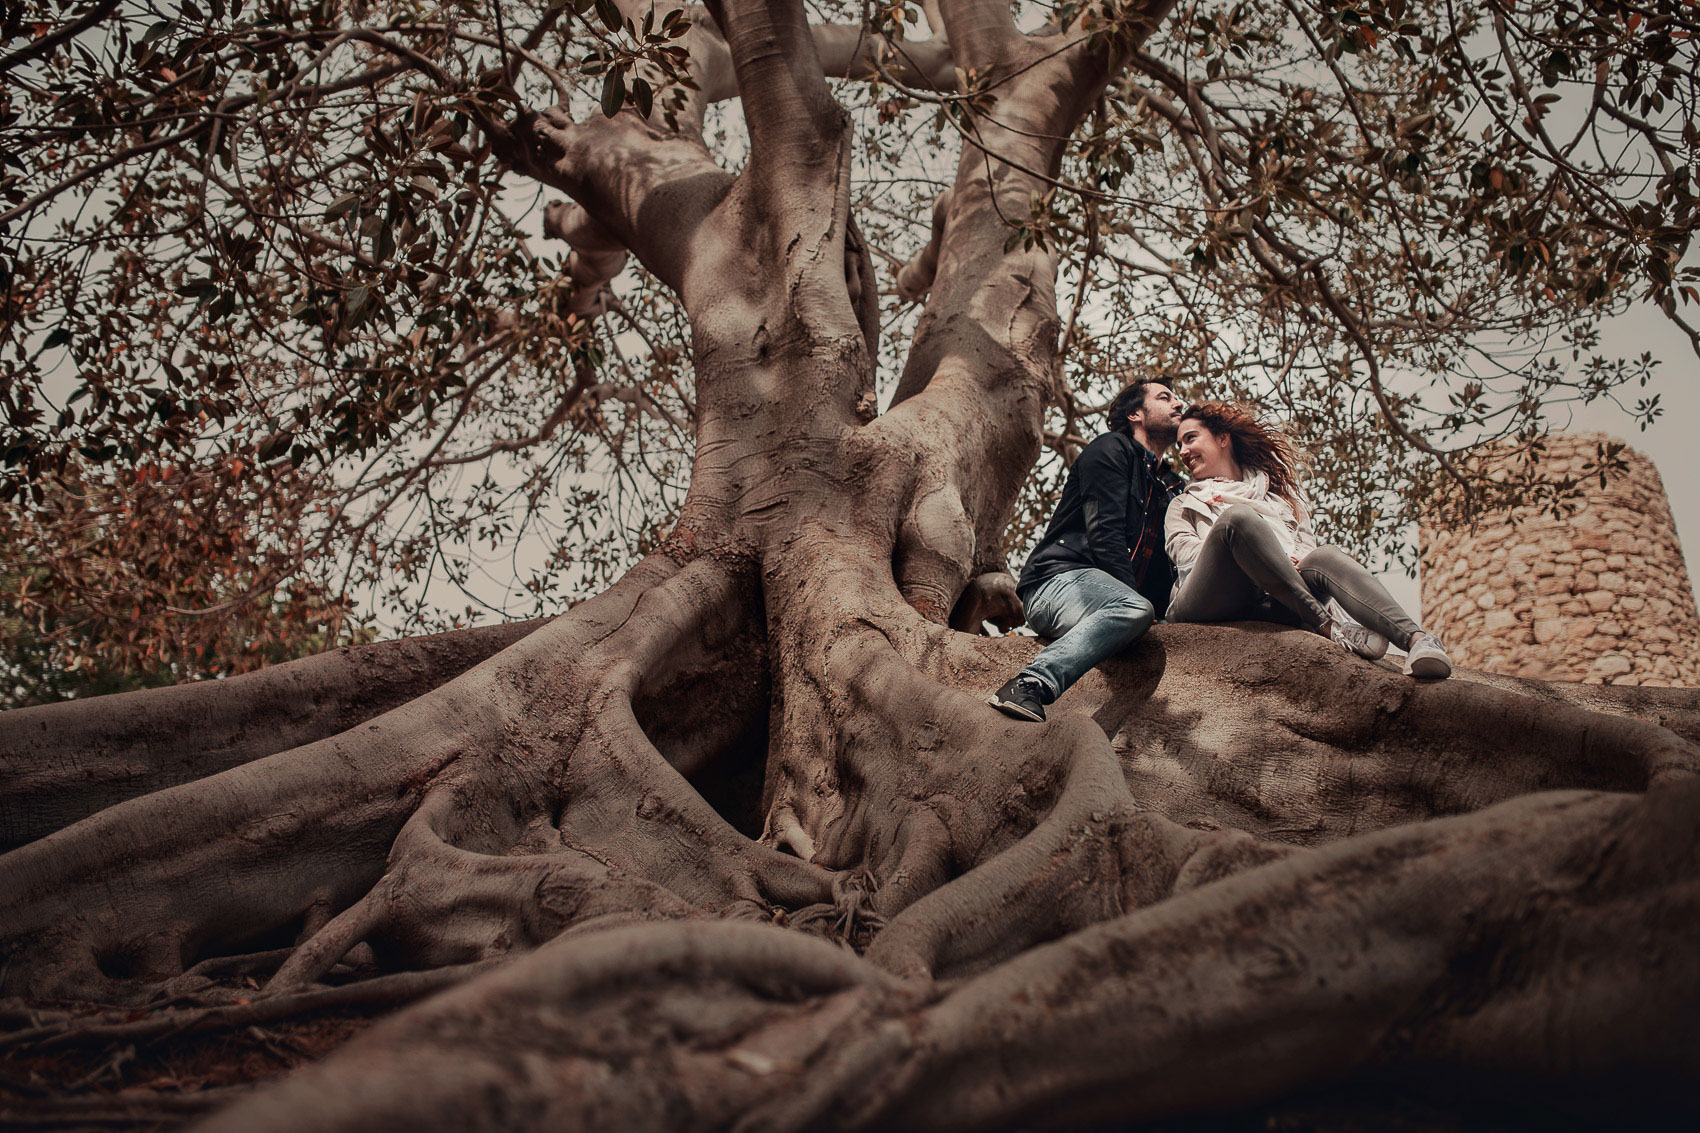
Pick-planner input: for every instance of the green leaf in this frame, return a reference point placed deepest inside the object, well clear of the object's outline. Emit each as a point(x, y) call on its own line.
point(613, 94)
point(342, 206)
point(642, 97)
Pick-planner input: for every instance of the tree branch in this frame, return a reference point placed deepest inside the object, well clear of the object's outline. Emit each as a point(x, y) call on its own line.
point(848, 52)
point(597, 256)
point(983, 31)
point(48, 43)
point(795, 124)
point(1026, 99)
point(645, 186)
point(915, 278)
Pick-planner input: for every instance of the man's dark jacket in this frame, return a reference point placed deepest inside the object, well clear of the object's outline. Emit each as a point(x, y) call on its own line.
point(1111, 517)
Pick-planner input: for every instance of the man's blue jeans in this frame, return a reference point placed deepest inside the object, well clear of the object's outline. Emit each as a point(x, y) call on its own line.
point(1091, 615)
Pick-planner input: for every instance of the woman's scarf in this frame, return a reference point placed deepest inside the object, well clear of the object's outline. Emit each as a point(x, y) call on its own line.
point(1210, 498)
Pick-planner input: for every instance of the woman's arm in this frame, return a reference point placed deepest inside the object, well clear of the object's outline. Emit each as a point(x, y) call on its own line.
point(1181, 539)
point(1304, 539)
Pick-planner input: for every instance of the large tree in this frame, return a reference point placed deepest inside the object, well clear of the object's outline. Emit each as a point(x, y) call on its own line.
point(736, 841)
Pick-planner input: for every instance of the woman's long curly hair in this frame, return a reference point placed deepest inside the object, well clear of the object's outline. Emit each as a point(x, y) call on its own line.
point(1257, 448)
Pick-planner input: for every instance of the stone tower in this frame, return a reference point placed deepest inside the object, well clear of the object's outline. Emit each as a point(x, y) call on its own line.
point(1601, 596)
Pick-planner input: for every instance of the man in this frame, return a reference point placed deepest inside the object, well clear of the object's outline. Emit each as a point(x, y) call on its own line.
point(1100, 577)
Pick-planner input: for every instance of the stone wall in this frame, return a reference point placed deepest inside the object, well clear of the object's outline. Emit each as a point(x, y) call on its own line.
point(1601, 596)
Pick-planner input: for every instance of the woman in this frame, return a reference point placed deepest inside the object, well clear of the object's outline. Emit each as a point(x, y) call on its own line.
point(1239, 535)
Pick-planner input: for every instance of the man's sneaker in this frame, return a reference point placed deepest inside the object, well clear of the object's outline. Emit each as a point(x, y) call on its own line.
point(1427, 658)
point(1354, 638)
point(1022, 697)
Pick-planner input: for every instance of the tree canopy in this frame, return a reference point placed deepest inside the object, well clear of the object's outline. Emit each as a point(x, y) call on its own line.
point(296, 249)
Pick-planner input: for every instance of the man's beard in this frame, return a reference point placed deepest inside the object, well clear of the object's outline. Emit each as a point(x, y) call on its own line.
point(1161, 434)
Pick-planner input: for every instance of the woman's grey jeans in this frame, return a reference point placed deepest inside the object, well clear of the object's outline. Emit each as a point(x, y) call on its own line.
point(1242, 566)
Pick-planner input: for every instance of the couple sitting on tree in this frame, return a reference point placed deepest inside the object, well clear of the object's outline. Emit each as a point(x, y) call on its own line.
point(1129, 541)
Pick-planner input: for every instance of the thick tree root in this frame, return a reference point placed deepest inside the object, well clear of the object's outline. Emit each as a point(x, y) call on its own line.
point(133, 1110)
point(389, 990)
point(1267, 731)
point(1392, 948)
point(514, 800)
point(1018, 890)
point(1677, 709)
point(1271, 731)
point(63, 762)
point(567, 1038)
point(1381, 953)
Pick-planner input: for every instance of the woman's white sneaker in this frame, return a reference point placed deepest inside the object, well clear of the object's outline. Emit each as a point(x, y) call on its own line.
point(1366, 643)
point(1427, 659)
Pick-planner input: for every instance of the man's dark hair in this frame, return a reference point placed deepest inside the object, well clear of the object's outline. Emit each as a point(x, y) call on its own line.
point(1132, 397)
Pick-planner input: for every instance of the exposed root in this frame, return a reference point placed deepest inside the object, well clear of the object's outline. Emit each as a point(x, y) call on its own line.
point(324, 948)
point(1077, 876)
point(706, 1026)
point(63, 762)
point(956, 811)
point(128, 1111)
point(121, 1026)
point(1379, 948)
point(1261, 729)
point(1060, 875)
point(1677, 709)
point(149, 886)
point(565, 1038)
point(786, 832)
point(583, 823)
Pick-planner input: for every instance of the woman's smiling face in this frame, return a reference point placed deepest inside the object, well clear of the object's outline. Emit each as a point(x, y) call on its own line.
point(1205, 454)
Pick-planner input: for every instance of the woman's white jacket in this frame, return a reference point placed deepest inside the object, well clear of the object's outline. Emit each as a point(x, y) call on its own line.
point(1201, 503)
